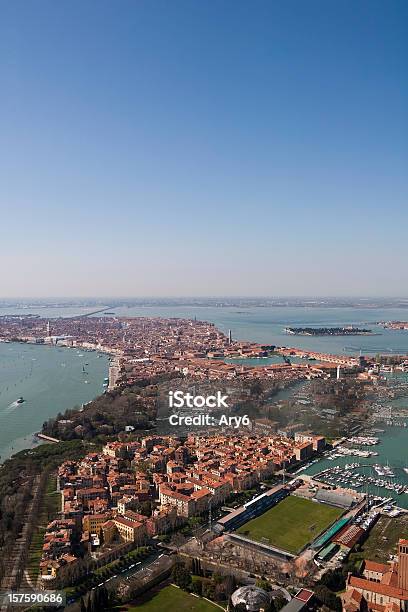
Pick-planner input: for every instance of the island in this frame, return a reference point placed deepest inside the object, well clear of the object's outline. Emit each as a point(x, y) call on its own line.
point(329, 331)
point(394, 325)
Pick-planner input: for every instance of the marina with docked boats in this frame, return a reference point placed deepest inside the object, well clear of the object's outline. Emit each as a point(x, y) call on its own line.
point(375, 462)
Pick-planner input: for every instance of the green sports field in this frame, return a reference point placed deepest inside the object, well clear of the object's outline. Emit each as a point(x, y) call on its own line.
point(292, 524)
point(170, 599)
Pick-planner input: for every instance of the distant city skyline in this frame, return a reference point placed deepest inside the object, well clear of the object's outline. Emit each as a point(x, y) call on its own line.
point(203, 149)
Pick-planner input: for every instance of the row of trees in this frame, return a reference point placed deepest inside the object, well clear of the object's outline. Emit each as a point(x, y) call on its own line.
point(17, 478)
point(216, 587)
point(97, 600)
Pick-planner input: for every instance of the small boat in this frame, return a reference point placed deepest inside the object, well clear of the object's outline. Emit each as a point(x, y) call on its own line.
point(20, 400)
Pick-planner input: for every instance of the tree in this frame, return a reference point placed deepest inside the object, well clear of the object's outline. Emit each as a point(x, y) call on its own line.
point(326, 597)
point(334, 580)
point(181, 576)
point(230, 585)
point(197, 585)
point(256, 388)
point(101, 600)
point(279, 602)
point(196, 567)
point(209, 590)
point(350, 567)
point(92, 602)
point(87, 603)
point(178, 540)
point(263, 584)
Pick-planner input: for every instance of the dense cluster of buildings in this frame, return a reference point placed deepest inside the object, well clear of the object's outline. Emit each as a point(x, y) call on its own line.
point(138, 337)
point(381, 587)
point(120, 497)
point(326, 358)
point(131, 491)
point(147, 347)
point(395, 324)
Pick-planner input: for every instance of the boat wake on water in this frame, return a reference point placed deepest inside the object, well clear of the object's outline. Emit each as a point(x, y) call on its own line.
point(18, 402)
point(11, 406)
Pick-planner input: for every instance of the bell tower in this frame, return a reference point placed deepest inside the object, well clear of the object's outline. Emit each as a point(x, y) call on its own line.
point(403, 564)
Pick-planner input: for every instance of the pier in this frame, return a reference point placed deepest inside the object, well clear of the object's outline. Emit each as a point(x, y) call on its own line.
point(47, 438)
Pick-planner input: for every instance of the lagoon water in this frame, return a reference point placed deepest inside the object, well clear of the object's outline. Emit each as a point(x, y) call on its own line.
point(37, 373)
point(266, 325)
point(50, 379)
point(392, 450)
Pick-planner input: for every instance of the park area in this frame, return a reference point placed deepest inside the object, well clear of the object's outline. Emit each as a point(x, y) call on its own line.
point(291, 524)
point(172, 598)
point(382, 540)
point(50, 504)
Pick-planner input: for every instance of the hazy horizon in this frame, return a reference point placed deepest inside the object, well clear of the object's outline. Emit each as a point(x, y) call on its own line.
point(249, 297)
point(198, 149)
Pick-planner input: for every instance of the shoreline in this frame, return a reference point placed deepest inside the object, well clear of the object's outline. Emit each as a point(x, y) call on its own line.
point(303, 334)
point(386, 448)
point(30, 440)
point(114, 355)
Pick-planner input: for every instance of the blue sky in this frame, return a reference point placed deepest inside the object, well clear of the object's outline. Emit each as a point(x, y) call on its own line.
point(203, 148)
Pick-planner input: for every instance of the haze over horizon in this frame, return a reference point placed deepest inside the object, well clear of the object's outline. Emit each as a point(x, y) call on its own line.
point(106, 299)
point(203, 149)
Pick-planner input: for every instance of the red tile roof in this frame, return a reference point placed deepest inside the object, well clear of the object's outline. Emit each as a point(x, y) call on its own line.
point(377, 587)
point(372, 566)
point(349, 536)
point(304, 595)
